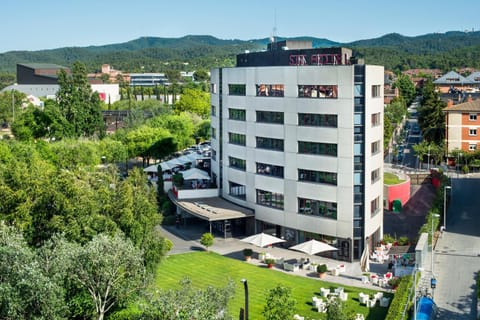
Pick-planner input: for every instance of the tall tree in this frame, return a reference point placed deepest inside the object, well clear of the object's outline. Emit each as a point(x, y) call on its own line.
point(194, 101)
point(10, 104)
point(406, 87)
point(280, 304)
point(431, 117)
point(27, 291)
point(78, 104)
point(110, 268)
point(190, 303)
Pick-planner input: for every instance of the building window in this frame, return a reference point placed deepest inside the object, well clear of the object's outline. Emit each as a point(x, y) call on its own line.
point(269, 170)
point(375, 206)
point(317, 208)
point(237, 114)
point(270, 199)
point(472, 132)
point(237, 190)
point(213, 88)
point(213, 110)
point(270, 117)
point(473, 117)
point(237, 90)
point(327, 149)
point(472, 147)
point(375, 175)
point(270, 143)
point(375, 119)
point(237, 138)
point(213, 132)
point(318, 91)
point(358, 90)
point(317, 120)
point(375, 147)
point(214, 154)
point(317, 176)
point(376, 91)
point(237, 163)
point(270, 90)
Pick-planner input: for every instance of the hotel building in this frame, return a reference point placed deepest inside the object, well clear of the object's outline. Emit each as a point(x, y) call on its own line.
point(297, 137)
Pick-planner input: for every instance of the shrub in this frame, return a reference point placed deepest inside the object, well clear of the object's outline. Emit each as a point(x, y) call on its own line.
point(388, 239)
point(207, 240)
point(395, 312)
point(403, 241)
point(269, 261)
point(322, 268)
point(247, 252)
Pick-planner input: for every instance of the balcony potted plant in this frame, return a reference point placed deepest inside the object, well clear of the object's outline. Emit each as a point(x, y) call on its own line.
point(247, 252)
point(270, 262)
point(322, 270)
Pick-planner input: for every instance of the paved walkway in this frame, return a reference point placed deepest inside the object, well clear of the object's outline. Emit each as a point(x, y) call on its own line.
point(186, 239)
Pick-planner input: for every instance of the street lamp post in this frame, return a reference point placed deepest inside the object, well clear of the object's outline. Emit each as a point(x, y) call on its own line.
point(245, 285)
point(434, 215)
point(13, 105)
point(428, 158)
point(445, 206)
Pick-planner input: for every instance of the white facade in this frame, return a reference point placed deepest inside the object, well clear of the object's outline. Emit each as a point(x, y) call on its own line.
point(289, 217)
point(109, 92)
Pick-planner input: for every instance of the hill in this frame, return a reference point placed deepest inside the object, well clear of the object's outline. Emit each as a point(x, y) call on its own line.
point(153, 54)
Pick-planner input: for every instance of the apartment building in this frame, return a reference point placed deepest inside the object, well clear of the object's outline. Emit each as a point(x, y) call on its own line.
point(297, 137)
point(462, 123)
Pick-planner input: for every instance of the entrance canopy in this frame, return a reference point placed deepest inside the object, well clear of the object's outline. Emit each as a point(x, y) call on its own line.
point(211, 209)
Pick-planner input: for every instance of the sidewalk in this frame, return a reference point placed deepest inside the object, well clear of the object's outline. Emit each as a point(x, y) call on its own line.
point(188, 239)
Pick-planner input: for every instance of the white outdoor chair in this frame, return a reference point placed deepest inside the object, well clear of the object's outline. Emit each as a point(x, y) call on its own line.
point(363, 298)
point(322, 307)
point(338, 290)
point(324, 292)
point(343, 296)
point(384, 302)
point(297, 317)
point(335, 272)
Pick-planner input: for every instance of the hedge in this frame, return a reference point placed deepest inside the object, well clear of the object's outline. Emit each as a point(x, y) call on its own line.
point(400, 299)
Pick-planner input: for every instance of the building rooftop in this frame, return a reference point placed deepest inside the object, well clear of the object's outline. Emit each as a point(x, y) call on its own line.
point(42, 65)
point(471, 106)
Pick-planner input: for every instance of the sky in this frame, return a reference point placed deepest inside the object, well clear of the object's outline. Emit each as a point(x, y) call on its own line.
point(49, 24)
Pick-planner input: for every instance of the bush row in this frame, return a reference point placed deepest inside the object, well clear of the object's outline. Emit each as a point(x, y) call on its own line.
point(400, 300)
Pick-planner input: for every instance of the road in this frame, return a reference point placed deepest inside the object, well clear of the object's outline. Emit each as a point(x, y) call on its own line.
point(457, 260)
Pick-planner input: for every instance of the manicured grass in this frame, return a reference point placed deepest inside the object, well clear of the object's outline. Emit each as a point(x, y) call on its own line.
point(208, 268)
point(390, 178)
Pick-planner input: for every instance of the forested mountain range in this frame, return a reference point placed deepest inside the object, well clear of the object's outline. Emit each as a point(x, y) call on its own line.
point(152, 54)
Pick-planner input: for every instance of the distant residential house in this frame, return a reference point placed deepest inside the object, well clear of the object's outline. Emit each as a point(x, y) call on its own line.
point(462, 126)
point(389, 93)
point(451, 81)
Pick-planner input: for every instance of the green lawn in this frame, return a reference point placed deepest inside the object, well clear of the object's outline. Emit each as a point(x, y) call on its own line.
point(390, 178)
point(207, 268)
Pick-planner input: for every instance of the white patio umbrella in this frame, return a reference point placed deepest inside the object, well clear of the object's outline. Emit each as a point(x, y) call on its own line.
point(262, 239)
point(195, 174)
point(313, 247)
point(365, 259)
point(152, 168)
point(174, 163)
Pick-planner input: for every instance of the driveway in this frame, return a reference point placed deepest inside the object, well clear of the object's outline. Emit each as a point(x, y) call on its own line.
point(457, 260)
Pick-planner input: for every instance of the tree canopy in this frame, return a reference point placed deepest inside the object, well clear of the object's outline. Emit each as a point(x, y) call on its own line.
point(78, 104)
